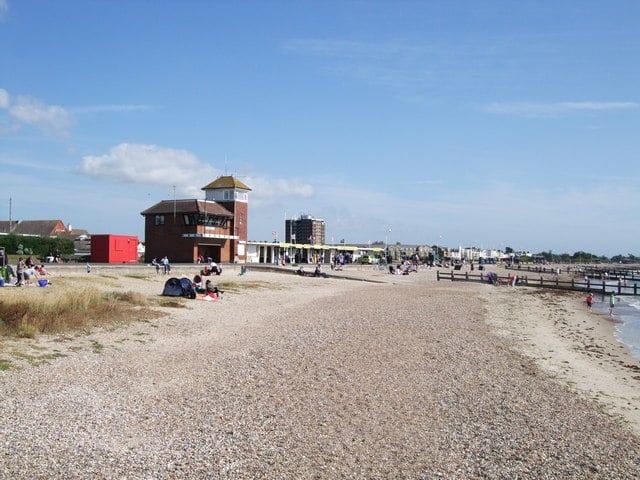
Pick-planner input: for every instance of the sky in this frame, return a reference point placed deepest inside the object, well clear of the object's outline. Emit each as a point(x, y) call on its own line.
point(488, 124)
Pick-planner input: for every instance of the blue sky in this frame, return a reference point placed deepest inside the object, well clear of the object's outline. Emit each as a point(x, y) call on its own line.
point(490, 124)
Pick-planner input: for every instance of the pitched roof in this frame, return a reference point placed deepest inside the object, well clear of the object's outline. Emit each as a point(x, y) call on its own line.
point(226, 181)
point(188, 206)
point(76, 232)
point(6, 226)
point(42, 228)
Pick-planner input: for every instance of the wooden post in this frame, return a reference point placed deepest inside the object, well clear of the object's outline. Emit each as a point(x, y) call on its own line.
point(438, 274)
point(466, 275)
point(452, 276)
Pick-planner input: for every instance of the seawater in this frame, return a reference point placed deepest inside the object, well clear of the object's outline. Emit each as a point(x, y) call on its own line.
point(627, 312)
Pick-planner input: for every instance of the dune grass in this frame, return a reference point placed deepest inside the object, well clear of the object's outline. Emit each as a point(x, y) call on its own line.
point(26, 316)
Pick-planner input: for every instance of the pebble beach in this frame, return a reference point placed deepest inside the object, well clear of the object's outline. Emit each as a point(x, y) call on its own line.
point(368, 376)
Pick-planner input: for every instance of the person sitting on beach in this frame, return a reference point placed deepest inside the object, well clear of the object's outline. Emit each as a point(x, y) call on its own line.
point(40, 270)
point(215, 268)
point(212, 290)
point(10, 272)
point(243, 270)
point(156, 264)
point(197, 284)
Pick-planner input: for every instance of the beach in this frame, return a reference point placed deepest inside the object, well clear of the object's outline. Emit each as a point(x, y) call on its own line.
point(370, 375)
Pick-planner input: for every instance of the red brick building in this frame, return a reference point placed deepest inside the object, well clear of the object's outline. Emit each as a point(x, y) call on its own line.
point(215, 227)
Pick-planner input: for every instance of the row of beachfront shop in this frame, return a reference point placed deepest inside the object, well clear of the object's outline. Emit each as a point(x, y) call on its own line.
point(288, 253)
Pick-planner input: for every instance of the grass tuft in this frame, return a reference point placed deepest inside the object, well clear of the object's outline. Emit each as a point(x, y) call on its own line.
point(26, 317)
point(5, 364)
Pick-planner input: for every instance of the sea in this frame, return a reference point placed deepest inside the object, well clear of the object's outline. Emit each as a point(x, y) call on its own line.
point(627, 312)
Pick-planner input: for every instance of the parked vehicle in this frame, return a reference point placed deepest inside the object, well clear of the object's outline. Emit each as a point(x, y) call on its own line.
point(369, 259)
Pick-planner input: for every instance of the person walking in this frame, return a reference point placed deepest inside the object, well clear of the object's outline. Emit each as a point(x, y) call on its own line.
point(612, 303)
point(589, 301)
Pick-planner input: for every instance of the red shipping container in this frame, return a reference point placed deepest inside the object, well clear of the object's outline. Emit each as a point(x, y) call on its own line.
point(114, 249)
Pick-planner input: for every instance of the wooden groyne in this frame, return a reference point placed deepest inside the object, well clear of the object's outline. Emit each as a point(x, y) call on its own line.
point(619, 286)
point(628, 273)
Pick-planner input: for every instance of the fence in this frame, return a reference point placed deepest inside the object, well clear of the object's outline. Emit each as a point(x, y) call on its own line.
point(620, 287)
point(598, 272)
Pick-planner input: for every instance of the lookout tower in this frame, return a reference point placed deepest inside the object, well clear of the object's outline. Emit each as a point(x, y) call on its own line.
point(230, 193)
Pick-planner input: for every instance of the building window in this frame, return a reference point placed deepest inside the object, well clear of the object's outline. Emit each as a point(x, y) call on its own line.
point(227, 195)
point(159, 220)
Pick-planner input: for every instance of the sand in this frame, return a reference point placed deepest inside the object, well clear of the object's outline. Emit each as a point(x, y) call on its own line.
point(290, 377)
point(572, 344)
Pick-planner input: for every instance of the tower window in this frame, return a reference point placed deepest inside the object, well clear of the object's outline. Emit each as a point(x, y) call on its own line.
point(159, 220)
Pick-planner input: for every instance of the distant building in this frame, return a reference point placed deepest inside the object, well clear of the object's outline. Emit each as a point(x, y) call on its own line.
point(305, 230)
point(39, 228)
point(214, 228)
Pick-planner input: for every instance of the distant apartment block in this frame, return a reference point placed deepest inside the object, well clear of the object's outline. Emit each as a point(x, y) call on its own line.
point(305, 230)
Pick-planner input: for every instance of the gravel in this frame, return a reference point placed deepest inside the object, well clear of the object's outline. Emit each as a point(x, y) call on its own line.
point(311, 379)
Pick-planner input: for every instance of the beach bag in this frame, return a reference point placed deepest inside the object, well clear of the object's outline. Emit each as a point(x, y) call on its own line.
point(43, 282)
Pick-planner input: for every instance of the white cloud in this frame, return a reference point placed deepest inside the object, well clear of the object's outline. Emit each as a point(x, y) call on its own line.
point(155, 165)
point(50, 119)
point(548, 110)
point(4, 96)
point(151, 165)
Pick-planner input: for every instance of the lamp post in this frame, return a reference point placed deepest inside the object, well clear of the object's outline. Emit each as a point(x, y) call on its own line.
point(436, 255)
point(386, 244)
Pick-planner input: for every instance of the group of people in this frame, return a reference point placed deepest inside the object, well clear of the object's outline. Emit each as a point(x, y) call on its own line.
point(404, 268)
point(212, 269)
point(511, 281)
point(208, 289)
point(162, 264)
point(612, 302)
point(317, 272)
point(26, 272)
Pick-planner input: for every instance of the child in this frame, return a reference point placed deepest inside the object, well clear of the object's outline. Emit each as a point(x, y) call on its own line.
point(589, 301)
